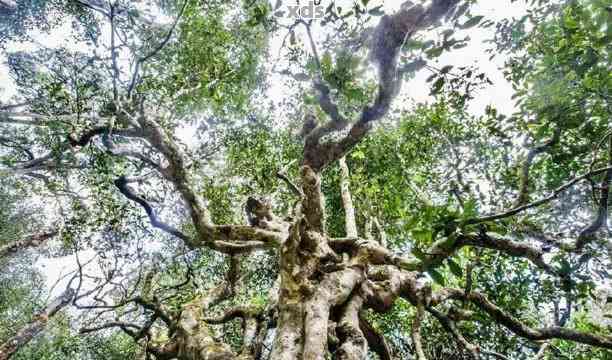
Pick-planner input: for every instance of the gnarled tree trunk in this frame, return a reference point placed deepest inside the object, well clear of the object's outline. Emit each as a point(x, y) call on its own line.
point(325, 284)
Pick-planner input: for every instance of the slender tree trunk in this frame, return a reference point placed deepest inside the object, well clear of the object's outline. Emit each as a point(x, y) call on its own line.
point(37, 325)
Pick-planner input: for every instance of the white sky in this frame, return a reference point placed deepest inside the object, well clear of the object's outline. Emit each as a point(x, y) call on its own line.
point(499, 95)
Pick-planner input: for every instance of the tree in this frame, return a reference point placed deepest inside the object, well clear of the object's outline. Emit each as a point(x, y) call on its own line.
point(377, 230)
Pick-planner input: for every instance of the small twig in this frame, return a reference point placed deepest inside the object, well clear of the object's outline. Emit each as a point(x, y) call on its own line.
point(282, 174)
point(539, 202)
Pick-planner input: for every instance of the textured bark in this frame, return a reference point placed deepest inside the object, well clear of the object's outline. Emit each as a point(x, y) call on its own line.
point(416, 332)
point(376, 341)
point(226, 238)
point(326, 284)
point(332, 291)
point(313, 205)
point(194, 338)
point(354, 345)
point(27, 242)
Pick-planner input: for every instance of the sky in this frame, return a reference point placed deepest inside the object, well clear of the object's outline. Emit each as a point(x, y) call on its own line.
point(499, 95)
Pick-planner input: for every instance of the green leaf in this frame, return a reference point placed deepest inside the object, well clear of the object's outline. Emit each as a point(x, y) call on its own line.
point(446, 69)
point(358, 154)
point(565, 267)
point(326, 62)
point(437, 86)
point(423, 236)
point(455, 268)
point(471, 22)
point(437, 277)
point(435, 52)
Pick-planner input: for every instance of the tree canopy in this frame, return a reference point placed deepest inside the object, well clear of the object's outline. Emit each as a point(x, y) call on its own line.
point(198, 180)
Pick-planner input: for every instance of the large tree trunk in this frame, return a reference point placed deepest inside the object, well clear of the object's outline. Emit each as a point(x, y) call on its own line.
point(325, 284)
point(322, 293)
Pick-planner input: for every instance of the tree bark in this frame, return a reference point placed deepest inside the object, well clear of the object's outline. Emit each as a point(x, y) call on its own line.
point(27, 242)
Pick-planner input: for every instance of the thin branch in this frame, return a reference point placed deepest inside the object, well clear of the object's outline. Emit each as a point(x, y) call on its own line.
point(602, 211)
point(531, 155)
point(282, 174)
point(119, 324)
point(122, 185)
point(451, 327)
point(13, 144)
point(93, 7)
point(541, 201)
point(51, 161)
point(114, 55)
point(13, 106)
point(158, 48)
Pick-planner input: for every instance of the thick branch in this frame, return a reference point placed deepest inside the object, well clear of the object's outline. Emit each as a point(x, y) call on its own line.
point(387, 40)
point(533, 253)
point(451, 327)
point(29, 241)
point(313, 204)
point(354, 344)
point(122, 184)
point(208, 234)
point(33, 119)
point(376, 341)
point(333, 290)
point(523, 330)
point(416, 332)
point(373, 253)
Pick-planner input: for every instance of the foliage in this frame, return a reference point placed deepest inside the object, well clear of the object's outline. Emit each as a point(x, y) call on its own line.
point(425, 176)
point(60, 343)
